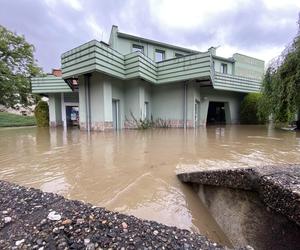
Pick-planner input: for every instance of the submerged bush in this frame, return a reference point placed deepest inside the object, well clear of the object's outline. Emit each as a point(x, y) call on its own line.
point(249, 109)
point(41, 113)
point(147, 123)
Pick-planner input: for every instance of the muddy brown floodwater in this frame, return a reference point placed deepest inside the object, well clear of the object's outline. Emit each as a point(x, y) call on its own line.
point(134, 172)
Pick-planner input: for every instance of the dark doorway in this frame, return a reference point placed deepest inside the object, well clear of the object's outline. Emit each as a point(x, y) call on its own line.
point(216, 113)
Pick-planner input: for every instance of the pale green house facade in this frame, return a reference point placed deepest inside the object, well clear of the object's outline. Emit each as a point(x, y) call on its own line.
point(134, 77)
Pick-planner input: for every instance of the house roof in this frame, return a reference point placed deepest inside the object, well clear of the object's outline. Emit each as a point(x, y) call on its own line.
point(230, 59)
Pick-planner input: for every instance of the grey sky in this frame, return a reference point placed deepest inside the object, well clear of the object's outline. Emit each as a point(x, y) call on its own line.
point(259, 28)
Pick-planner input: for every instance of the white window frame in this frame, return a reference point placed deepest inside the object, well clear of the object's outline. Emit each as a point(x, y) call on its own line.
point(223, 67)
point(163, 53)
point(138, 47)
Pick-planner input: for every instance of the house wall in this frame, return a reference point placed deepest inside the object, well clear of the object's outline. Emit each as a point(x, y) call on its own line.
point(165, 102)
point(137, 92)
point(103, 90)
point(71, 97)
point(100, 103)
point(248, 66)
point(124, 46)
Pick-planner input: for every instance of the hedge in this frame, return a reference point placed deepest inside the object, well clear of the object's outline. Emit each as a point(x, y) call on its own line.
point(41, 113)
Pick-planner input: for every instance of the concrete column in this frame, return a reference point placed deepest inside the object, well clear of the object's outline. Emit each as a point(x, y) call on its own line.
point(228, 113)
point(100, 103)
point(55, 110)
point(63, 111)
point(107, 100)
point(204, 102)
point(82, 104)
point(191, 99)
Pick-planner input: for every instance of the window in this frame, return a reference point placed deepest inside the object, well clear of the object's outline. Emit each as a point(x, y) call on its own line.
point(178, 55)
point(136, 47)
point(224, 68)
point(159, 55)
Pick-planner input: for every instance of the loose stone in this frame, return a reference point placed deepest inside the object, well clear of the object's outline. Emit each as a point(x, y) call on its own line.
point(54, 216)
point(124, 225)
point(7, 219)
point(79, 221)
point(155, 232)
point(19, 242)
point(86, 241)
point(67, 222)
point(90, 246)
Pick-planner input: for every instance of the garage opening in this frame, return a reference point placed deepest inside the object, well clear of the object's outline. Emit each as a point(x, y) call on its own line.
point(216, 113)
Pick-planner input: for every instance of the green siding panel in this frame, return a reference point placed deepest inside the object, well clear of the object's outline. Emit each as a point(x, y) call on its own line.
point(97, 56)
point(104, 59)
point(236, 83)
point(49, 84)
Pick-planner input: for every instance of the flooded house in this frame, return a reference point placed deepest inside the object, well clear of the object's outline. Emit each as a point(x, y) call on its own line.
point(104, 86)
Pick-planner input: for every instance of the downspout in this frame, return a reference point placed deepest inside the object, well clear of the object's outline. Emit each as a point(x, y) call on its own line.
point(185, 86)
point(87, 101)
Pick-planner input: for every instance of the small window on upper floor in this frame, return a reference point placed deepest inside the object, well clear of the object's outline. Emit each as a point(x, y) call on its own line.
point(136, 47)
point(159, 55)
point(179, 55)
point(224, 68)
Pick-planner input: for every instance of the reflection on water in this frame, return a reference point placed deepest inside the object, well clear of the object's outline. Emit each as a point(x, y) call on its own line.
point(134, 171)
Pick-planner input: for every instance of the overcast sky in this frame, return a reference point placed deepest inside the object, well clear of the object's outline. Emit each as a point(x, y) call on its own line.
point(259, 28)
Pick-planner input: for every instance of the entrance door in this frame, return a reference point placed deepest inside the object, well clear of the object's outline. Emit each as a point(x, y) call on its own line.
point(72, 116)
point(116, 113)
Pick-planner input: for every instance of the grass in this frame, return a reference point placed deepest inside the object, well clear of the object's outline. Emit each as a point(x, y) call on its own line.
point(12, 120)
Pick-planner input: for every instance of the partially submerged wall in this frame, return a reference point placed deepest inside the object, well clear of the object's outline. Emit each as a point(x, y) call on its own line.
point(246, 220)
point(258, 207)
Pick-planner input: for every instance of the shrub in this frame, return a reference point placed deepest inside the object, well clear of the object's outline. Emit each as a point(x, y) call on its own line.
point(41, 113)
point(249, 109)
point(147, 123)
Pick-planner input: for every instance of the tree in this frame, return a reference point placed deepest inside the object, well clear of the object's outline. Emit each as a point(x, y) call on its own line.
point(281, 85)
point(249, 109)
point(17, 65)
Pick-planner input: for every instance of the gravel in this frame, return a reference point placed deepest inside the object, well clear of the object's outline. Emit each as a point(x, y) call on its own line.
point(32, 219)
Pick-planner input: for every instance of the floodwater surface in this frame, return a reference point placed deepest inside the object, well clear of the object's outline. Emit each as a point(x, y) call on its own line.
point(134, 172)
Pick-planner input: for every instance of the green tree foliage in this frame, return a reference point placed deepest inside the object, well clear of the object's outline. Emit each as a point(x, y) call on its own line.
point(281, 85)
point(41, 113)
point(249, 109)
point(17, 65)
